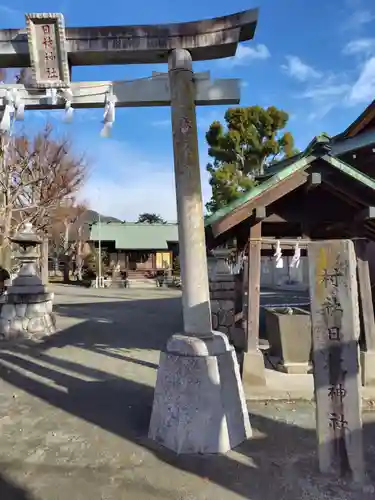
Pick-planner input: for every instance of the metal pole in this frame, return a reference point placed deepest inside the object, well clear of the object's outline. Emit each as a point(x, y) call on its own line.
point(99, 251)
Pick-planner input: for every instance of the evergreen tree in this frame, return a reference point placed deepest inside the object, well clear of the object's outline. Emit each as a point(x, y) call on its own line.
point(253, 139)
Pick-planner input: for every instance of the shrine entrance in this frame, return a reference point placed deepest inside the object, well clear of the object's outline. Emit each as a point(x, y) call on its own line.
point(51, 50)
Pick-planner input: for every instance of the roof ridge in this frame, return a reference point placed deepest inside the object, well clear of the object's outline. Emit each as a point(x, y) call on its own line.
point(319, 146)
point(257, 190)
point(126, 223)
point(350, 170)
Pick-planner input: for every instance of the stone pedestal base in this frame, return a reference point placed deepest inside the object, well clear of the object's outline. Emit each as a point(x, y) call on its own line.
point(294, 368)
point(199, 403)
point(253, 370)
point(27, 316)
point(367, 359)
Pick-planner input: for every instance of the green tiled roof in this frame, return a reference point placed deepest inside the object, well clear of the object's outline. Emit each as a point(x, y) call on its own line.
point(132, 236)
point(257, 190)
point(318, 148)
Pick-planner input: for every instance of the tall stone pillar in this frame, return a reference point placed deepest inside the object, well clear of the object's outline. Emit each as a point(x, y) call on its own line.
point(199, 403)
point(193, 260)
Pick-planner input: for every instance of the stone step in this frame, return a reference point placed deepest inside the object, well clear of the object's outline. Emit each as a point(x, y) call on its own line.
point(138, 283)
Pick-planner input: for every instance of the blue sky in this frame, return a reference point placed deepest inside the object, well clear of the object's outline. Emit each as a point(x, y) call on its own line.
point(315, 60)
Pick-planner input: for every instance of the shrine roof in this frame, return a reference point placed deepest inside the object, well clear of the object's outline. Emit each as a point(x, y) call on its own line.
point(205, 39)
point(365, 121)
point(286, 176)
point(134, 236)
point(360, 135)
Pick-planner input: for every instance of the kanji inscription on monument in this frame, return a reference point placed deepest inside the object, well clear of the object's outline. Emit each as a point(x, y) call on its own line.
point(335, 330)
point(46, 37)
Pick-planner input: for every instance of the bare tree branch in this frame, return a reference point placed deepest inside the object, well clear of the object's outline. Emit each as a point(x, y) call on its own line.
point(39, 179)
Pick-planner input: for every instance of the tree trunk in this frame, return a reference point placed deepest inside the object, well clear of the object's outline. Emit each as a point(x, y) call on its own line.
point(44, 261)
point(66, 269)
point(56, 265)
point(6, 251)
point(66, 236)
point(6, 256)
point(79, 258)
point(79, 262)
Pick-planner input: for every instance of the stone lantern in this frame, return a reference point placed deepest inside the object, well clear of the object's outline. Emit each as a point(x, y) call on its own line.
point(218, 263)
point(27, 312)
point(225, 289)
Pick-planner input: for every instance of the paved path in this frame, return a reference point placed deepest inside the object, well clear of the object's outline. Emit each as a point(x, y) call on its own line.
point(74, 414)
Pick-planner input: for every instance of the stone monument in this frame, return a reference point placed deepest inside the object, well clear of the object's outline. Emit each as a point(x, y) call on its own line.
point(27, 312)
point(117, 280)
point(335, 329)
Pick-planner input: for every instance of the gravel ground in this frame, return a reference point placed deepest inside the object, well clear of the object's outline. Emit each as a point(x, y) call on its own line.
point(74, 415)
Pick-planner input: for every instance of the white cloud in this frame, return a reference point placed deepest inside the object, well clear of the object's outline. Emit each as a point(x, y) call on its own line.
point(10, 17)
point(337, 91)
point(246, 54)
point(9, 11)
point(356, 14)
point(326, 91)
point(330, 92)
point(361, 17)
point(124, 182)
point(363, 90)
point(357, 19)
point(299, 70)
point(362, 46)
point(320, 111)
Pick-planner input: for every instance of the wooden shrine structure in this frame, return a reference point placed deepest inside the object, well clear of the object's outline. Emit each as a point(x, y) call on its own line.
point(315, 195)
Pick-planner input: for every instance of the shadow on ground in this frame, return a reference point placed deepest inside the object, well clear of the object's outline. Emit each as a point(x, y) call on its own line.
point(9, 491)
point(129, 324)
point(280, 461)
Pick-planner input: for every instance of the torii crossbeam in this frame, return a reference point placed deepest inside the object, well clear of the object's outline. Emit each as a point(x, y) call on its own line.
point(207, 39)
point(143, 92)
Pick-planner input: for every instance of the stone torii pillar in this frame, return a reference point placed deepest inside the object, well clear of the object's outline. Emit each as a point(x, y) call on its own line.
point(199, 404)
point(193, 260)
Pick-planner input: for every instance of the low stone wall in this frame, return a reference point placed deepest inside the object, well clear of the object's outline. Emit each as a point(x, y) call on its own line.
point(27, 316)
point(222, 304)
point(223, 290)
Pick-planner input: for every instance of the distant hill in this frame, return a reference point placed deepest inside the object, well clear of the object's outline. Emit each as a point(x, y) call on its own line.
point(91, 216)
point(85, 220)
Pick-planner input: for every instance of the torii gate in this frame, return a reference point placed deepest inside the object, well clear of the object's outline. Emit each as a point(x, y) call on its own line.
point(199, 403)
